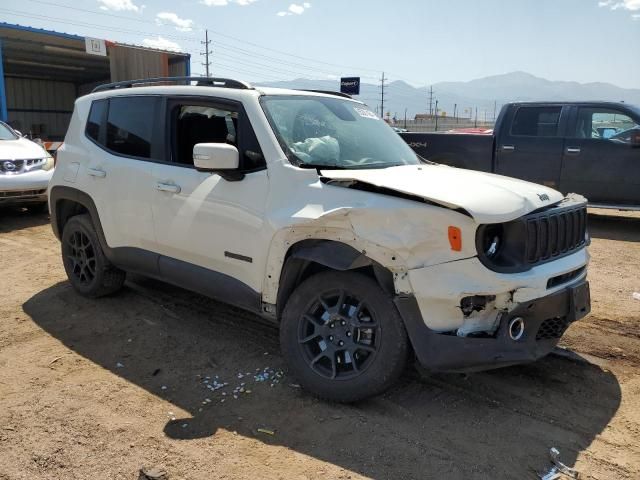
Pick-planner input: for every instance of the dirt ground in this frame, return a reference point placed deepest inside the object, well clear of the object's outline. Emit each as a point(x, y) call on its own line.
point(99, 389)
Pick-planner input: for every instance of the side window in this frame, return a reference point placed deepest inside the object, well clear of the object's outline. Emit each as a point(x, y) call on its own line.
point(96, 119)
point(605, 124)
point(201, 124)
point(536, 121)
point(130, 123)
point(193, 124)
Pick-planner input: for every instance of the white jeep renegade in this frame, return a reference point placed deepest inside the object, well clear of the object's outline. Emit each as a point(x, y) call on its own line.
point(307, 209)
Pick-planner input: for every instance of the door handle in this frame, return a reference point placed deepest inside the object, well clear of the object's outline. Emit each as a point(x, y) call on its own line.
point(508, 148)
point(168, 187)
point(96, 172)
point(573, 150)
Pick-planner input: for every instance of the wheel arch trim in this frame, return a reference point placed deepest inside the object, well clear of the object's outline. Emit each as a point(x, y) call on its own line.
point(332, 254)
point(59, 193)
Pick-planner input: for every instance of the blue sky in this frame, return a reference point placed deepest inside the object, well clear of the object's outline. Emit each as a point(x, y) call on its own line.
point(419, 41)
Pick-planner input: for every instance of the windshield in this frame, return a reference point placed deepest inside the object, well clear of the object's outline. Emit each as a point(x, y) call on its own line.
point(336, 133)
point(6, 133)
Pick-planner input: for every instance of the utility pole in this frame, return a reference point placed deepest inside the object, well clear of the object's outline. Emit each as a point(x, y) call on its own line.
point(475, 124)
point(455, 111)
point(495, 108)
point(436, 115)
point(405, 118)
point(431, 101)
point(382, 85)
point(207, 51)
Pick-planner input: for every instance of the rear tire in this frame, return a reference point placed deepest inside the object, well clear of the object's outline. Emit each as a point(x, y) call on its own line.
point(342, 337)
point(88, 270)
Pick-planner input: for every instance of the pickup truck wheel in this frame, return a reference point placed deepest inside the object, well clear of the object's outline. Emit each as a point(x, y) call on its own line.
point(88, 270)
point(342, 337)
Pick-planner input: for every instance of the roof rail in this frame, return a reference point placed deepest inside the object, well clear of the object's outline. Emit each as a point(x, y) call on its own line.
point(202, 81)
point(327, 92)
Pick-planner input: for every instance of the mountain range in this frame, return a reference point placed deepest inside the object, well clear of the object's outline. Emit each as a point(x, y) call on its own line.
point(485, 94)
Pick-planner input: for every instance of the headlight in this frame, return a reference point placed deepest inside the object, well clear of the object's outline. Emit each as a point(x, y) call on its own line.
point(502, 246)
point(45, 164)
point(48, 164)
point(492, 241)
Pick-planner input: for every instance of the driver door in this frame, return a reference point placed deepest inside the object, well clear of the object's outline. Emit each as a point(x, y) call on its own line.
point(599, 161)
point(204, 223)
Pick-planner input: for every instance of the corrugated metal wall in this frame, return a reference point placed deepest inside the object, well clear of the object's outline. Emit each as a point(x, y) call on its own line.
point(178, 68)
point(42, 108)
point(133, 63)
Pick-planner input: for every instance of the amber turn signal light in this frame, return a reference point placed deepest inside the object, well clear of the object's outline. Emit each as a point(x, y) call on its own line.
point(455, 239)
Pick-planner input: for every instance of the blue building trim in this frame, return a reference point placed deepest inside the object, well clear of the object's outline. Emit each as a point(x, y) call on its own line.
point(41, 31)
point(3, 91)
point(187, 64)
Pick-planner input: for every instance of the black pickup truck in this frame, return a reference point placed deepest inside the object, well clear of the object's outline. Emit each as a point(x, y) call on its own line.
point(591, 148)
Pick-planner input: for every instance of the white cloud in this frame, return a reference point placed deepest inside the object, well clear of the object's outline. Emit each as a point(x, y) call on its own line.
point(295, 9)
point(120, 5)
point(161, 44)
point(170, 18)
point(222, 3)
point(630, 5)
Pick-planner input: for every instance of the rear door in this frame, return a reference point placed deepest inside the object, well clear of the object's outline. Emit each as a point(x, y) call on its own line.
point(529, 146)
point(599, 160)
point(122, 145)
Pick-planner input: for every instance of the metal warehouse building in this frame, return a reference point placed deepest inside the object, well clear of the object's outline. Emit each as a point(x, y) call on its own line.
point(42, 72)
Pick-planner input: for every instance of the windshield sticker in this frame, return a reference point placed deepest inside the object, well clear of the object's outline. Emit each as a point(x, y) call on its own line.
point(364, 113)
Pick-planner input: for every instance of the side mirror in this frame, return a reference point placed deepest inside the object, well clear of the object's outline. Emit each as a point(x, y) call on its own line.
point(220, 158)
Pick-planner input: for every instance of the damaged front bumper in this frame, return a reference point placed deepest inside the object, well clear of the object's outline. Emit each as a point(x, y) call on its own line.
point(542, 301)
point(545, 321)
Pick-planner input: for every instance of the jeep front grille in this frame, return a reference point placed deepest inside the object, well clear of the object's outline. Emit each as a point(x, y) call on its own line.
point(555, 234)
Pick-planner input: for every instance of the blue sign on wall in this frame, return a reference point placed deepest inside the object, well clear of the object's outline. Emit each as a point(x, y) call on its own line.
point(350, 85)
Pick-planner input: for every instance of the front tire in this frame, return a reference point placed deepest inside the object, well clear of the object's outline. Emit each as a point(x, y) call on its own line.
point(342, 337)
point(88, 270)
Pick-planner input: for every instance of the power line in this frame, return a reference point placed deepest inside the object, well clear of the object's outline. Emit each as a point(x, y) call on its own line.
point(249, 72)
point(206, 52)
point(280, 52)
point(179, 38)
point(192, 39)
point(189, 38)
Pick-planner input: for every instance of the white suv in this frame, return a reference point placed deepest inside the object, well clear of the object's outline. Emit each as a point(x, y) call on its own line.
point(307, 209)
point(25, 170)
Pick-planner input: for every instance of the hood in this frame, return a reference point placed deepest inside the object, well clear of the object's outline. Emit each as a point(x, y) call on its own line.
point(21, 149)
point(487, 197)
